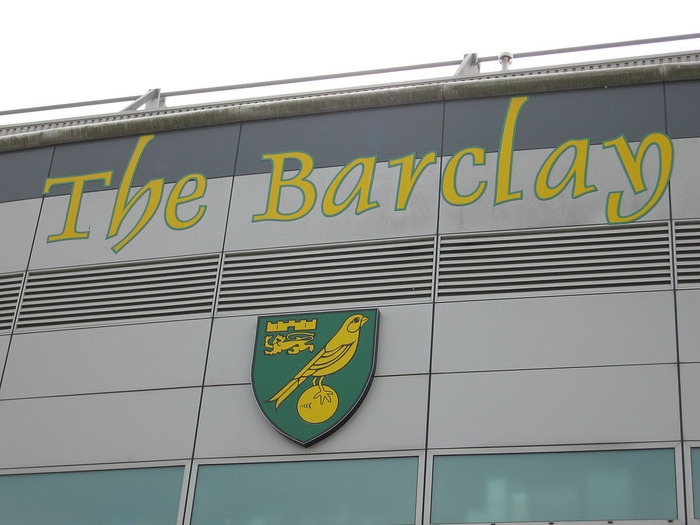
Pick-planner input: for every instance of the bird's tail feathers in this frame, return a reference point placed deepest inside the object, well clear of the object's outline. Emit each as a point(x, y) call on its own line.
point(286, 391)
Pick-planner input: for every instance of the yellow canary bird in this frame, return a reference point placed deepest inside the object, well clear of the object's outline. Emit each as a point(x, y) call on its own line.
point(332, 357)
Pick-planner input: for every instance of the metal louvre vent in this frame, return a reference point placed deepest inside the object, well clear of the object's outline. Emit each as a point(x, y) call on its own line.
point(687, 235)
point(555, 260)
point(373, 272)
point(119, 293)
point(10, 286)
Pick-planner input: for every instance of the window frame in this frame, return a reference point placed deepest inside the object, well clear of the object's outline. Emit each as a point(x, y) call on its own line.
point(418, 454)
point(675, 446)
point(185, 464)
point(688, 446)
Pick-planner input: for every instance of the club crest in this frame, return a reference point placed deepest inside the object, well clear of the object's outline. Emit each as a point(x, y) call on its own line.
point(311, 371)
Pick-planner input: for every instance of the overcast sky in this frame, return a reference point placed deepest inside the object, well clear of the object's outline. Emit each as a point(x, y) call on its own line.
point(73, 50)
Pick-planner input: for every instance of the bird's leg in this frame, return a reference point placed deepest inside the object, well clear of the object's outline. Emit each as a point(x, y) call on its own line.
point(323, 392)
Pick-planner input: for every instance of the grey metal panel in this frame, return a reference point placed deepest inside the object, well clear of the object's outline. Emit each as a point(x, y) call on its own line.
point(605, 172)
point(250, 196)
point(392, 417)
point(685, 183)
point(403, 346)
point(19, 220)
point(231, 350)
point(404, 340)
point(688, 305)
point(337, 138)
point(682, 109)
point(101, 428)
point(22, 173)
point(548, 119)
point(171, 155)
point(690, 392)
point(156, 239)
point(551, 407)
point(143, 356)
point(584, 330)
point(474, 122)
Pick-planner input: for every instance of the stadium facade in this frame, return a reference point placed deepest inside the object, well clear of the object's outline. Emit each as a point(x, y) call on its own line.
point(524, 254)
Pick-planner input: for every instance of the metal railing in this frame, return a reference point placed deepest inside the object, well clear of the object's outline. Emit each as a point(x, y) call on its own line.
point(468, 67)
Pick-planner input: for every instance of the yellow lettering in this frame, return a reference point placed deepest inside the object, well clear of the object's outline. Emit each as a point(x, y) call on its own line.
point(577, 172)
point(307, 189)
point(361, 192)
point(176, 198)
point(632, 165)
point(505, 152)
point(123, 204)
point(449, 178)
point(408, 176)
point(76, 195)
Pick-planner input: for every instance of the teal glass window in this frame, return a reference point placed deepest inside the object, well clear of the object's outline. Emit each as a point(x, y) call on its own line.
point(107, 497)
point(556, 486)
point(695, 462)
point(353, 492)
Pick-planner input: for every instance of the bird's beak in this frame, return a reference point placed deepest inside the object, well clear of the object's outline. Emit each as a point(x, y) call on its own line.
point(364, 320)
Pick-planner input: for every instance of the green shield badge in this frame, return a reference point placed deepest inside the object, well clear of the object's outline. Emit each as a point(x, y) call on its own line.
point(311, 371)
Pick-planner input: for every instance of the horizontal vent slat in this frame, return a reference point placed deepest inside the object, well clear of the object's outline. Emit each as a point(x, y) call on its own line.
point(271, 295)
point(332, 251)
point(174, 264)
point(333, 266)
point(292, 279)
point(125, 287)
point(290, 302)
point(78, 280)
point(113, 302)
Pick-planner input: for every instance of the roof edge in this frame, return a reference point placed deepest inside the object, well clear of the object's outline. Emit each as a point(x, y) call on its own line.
point(349, 99)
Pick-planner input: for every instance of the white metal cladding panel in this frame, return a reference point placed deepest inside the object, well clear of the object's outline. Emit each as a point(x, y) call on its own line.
point(10, 287)
point(392, 417)
point(18, 221)
point(328, 276)
point(555, 260)
point(230, 356)
point(99, 428)
point(156, 239)
point(604, 171)
point(404, 340)
point(685, 183)
point(181, 287)
point(559, 406)
point(547, 332)
point(690, 392)
point(403, 346)
point(688, 306)
point(687, 237)
point(250, 197)
point(107, 359)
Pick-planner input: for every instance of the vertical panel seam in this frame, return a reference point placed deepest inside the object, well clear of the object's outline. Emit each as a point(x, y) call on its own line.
point(217, 287)
point(674, 282)
point(25, 274)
